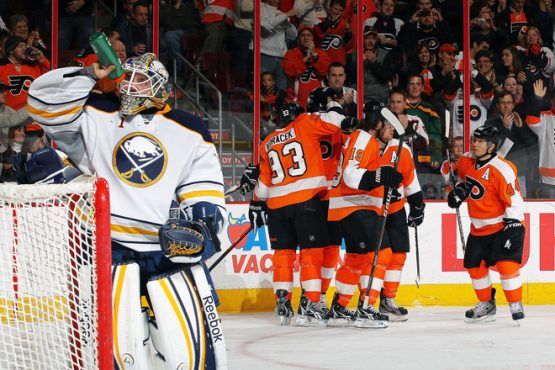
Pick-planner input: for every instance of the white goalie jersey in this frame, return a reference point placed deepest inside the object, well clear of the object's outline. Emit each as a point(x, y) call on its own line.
point(170, 153)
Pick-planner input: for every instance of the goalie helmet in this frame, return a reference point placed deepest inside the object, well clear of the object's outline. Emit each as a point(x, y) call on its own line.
point(145, 85)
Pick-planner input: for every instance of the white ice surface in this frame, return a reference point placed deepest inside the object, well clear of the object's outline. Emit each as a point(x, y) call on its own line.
point(433, 338)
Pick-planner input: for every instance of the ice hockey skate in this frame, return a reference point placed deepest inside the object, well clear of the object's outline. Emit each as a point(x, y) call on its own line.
point(517, 310)
point(370, 318)
point(312, 313)
point(284, 309)
point(483, 312)
point(339, 315)
point(395, 312)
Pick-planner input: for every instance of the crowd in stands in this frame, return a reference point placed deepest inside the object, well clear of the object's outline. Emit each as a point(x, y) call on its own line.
point(412, 61)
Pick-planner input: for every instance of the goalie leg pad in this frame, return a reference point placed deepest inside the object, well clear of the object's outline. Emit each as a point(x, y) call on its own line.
point(181, 338)
point(130, 323)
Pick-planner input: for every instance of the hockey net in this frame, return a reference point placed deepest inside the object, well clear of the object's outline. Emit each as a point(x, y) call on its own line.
point(55, 284)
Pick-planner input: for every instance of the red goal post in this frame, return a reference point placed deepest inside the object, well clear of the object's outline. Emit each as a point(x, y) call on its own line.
point(55, 276)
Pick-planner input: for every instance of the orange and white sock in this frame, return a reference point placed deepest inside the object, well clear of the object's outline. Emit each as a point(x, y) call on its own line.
point(348, 275)
point(481, 282)
point(329, 264)
point(384, 257)
point(311, 274)
point(511, 280)
point(393, 274)
point(284, 261)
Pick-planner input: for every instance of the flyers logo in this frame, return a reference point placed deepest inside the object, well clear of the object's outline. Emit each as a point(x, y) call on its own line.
point(307, 76)
point(327, 149)
point(139, 159)
point(331, 42)
point(475, 112)
point(477, 191)
point(19, 83)
point(432, 43)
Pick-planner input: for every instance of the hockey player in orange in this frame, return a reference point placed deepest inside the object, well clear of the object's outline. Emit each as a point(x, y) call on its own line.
point(292, 181)
point(352, 203)
point(396, 226)
point(489, 184)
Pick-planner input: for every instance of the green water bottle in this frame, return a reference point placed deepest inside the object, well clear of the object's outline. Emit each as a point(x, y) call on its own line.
point(106, 54)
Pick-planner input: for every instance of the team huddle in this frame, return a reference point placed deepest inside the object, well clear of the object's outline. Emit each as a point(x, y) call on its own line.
point(324, 171)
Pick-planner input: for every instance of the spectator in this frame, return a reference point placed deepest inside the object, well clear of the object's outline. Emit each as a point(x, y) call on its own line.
point(511, 84)
point(137, 34)
point(335, 33)
point(386, 25)
point(511, 64)
point(424, 31)
point(310, 12)
point(276, 30)
point(482, 21)
point(20, 69)
point(517, 136)
point(217, 17)
point(456, 151)
point(422, 66)
point(271, 98)
point(539, 61)
point(415, 132)
point(427, 5)
point(15, 139)
point(430, 162)
point(542, 11)
point(305, 66)
point(477, 43)
point(177, 18)
point(76, 23)
point(336, 90)
point(543, 125)
point(241, 37)
point(514, 20)
point(379, 75)
point(447, 79)
point(123, 17)
point(19, 27)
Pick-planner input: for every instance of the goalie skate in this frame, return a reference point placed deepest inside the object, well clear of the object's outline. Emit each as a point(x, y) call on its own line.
point(483, 312)
point(339, 315)
point(395, 312)
point(517, 310)
point(312, 313)
point(370, 318)
point(284, 309)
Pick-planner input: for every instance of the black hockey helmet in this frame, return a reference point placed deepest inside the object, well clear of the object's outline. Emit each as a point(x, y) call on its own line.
point(489, 133)
point(287, 113)
point(372, 114)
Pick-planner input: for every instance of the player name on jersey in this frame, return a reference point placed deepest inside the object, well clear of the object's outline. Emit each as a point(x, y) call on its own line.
point(280, 138)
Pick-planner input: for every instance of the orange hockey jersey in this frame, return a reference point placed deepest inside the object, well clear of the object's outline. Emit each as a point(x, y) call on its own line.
point(359, 154)
point(331, 152)
point(291, 166)
point(19, 77)
point(410, 184)
point(495, 193)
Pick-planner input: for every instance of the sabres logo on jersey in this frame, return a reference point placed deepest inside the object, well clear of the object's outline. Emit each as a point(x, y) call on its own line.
point(139, 159)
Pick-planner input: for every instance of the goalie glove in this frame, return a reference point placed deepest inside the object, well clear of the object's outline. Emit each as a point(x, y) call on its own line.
point(458, 195)
point(512, 237)
point(258, 214)
point(183, 241)
point(249, 179)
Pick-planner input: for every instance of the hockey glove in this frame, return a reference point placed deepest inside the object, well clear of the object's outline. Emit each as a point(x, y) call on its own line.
point(385, 175)
point(349, 124)
point(458, 195)
point(182, 241)
point(258, 214)
point(395, 196)
point(416, 215)
point(513, 234)
point(249, 179)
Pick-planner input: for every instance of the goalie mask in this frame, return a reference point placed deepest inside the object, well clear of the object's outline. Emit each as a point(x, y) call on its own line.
point(145, 85)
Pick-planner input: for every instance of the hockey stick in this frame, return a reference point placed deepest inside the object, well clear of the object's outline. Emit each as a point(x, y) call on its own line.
point(417, 280)
point(230, 248)
point(391, 118)
point(452, 178)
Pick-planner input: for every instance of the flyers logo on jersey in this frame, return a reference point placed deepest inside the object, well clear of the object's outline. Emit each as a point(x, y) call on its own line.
point(19, 83)
point(139, 159)
point(477, 190)
point(331, 41)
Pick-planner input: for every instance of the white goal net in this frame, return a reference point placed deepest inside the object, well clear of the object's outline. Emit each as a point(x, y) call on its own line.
point(55, 287)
